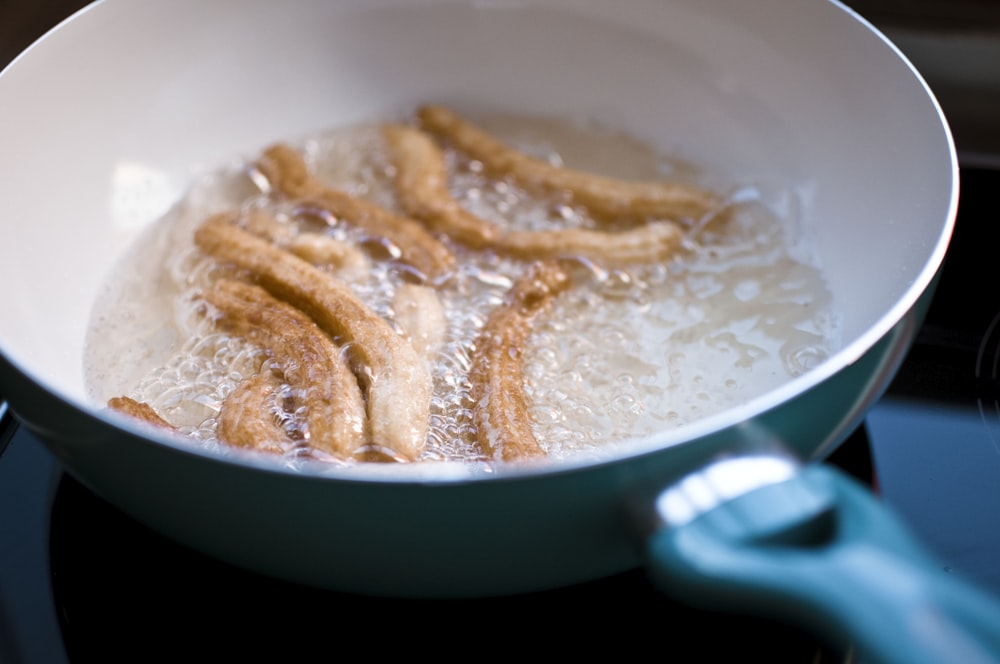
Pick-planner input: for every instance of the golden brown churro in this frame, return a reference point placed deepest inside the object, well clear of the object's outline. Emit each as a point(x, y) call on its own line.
point(604, 197)
point(249, 416)
point(501, 415)
point(397, 381)
point(288, 175)
point(140, 410)
point(422, 185)
point(422, 188)
point(312, 363)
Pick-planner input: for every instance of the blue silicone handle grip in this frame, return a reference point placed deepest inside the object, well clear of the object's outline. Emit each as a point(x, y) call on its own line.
point(821, 551)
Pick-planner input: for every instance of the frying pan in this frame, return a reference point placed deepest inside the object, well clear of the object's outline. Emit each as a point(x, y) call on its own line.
point(108, 118)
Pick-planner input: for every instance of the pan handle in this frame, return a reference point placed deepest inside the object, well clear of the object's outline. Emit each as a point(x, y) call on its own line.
point(814, 547)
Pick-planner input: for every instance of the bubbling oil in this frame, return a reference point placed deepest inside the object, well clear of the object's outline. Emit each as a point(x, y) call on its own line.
point(627, 352)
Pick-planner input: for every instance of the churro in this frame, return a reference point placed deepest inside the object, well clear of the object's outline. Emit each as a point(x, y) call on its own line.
point(344, 259)
point(264, 224)
point(501, 414)
point(249, 416)
point(288, 175)
point(319, 249)
point(419, 311)
point(422, 186)
point(395, 379)
point(139, 410)
point(311, 362)
point(604, 197)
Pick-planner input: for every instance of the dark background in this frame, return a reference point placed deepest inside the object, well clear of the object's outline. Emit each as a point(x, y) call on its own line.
point(23, 21)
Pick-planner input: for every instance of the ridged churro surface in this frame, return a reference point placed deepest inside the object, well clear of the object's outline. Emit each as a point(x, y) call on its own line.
point(502, 414)
point(422, 182)
point(311, 363)
point(288, 174)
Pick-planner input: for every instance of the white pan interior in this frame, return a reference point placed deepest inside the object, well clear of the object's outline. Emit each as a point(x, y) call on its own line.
point(106, 121)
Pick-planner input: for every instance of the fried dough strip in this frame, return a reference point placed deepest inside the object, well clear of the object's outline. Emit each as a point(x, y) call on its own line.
point(243, 418)
point(605, 198)
point(266, 225)
point(396, 380)
point(422, 187)
point(289, 175)
point(317, 248)
point(500, 412)
point(419, 312)
point(309, 359)
point(140, 410)
point(321, 249)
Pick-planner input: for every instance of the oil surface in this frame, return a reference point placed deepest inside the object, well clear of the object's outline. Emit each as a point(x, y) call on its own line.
point(626, 352)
